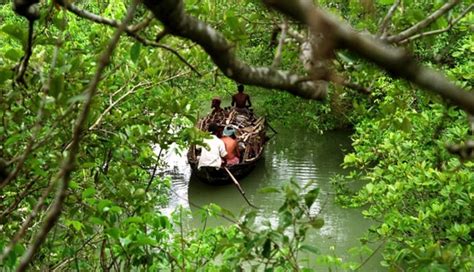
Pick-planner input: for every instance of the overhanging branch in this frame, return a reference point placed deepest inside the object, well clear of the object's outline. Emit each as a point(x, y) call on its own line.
point(386, 20)
point(394, 60)
point(422, 24)
point(131, 31)
point(439, 31)
point(171, 13)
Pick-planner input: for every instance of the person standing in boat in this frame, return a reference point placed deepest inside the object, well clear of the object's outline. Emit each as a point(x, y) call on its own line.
point(231, 146)
point(241, 100)
point(215, 152)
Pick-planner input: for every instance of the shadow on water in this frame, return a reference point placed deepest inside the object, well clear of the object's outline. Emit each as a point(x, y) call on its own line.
point(293, 153)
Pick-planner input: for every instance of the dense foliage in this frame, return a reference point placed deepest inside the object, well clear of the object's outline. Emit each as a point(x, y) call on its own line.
point(148, 99)
point(421, 194)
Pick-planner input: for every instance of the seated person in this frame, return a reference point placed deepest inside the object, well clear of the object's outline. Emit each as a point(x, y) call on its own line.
point(231, 146)
point(212, 154)
point(216, 105)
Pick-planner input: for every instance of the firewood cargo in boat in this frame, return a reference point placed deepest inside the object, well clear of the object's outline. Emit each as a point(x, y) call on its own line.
point(250, 131)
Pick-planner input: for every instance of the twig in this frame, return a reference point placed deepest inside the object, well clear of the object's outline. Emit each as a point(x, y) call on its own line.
point(174, 17)
point(18, 199)
point(64, 174)
point(281, 42)
point(295, 35)
point(394, 60)
point(384, 25)
point(20, 78)
point(371, 255)
point(113, 104)
point(26, 223)
point(354, 86)
point(423, 23)
point(439, 31)
point(47, 136)
point(143, 24)
point(64, 262)
point(129, 30)
point(341, 80)
point(37, 126)
point(161, 35)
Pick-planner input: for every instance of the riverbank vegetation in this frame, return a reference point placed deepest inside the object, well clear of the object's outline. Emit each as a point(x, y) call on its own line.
point(90, 89)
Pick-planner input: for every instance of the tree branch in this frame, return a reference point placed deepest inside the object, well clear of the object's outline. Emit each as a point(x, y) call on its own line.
point(39, 117)
point(439, 31)
point(171, 13)
point(130, 30)
point(281, 42)
point(143, 24)
point(20, 196)
point(23, 65)
point(64, 174)
point(351, 85)
point(422, 24)
point(384, 25)
point(114, 103)
point(295, 35)
point(394, 60)
point(27, 222)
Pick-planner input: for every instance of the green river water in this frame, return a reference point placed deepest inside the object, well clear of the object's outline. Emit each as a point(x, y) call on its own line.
point(292, 153)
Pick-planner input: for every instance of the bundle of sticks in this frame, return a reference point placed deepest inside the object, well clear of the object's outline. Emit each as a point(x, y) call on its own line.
point(250, 130)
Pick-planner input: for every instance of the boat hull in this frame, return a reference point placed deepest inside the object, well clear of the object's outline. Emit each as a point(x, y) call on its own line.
point(218, 176)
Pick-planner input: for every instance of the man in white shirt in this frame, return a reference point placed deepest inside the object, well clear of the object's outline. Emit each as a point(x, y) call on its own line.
point(212, 154)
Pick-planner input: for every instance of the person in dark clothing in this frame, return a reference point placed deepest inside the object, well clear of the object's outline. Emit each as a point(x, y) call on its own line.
point(241, 99)
point(216, 105)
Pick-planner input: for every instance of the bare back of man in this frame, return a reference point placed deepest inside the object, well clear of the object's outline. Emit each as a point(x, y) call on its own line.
point(232, 148)
point(240, 100)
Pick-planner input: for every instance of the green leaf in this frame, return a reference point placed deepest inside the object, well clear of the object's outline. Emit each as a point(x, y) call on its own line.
point(75, 224)
point(350, 158)
point(227, 213)
point(97, 221)
point(285, 219)
point(311, 196)
point(135, 52)
point(57, 85)
point(267, 190)
point(317, 223)
point(77, 98)
point(385, 2)
point(13, 54)
point(134, 219)
point(5, 74)
point(310, 248)
point(104, 205)
point(406, 125)
point(88, 192)
point(12, 139)
point(15, 32)
point(369, 187)
point(266, 248)
point(142, 240)
point(113, 232)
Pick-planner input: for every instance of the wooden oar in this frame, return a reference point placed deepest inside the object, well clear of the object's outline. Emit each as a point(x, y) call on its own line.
point(239, 187)
point(268, 124)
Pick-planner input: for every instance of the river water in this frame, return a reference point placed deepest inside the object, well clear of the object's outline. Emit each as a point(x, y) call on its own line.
point(292, 153)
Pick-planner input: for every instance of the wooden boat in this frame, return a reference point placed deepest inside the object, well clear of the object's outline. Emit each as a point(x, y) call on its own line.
point(250, 131)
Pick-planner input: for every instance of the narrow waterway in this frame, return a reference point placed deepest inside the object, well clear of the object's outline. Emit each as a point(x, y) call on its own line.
point(292, 153)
